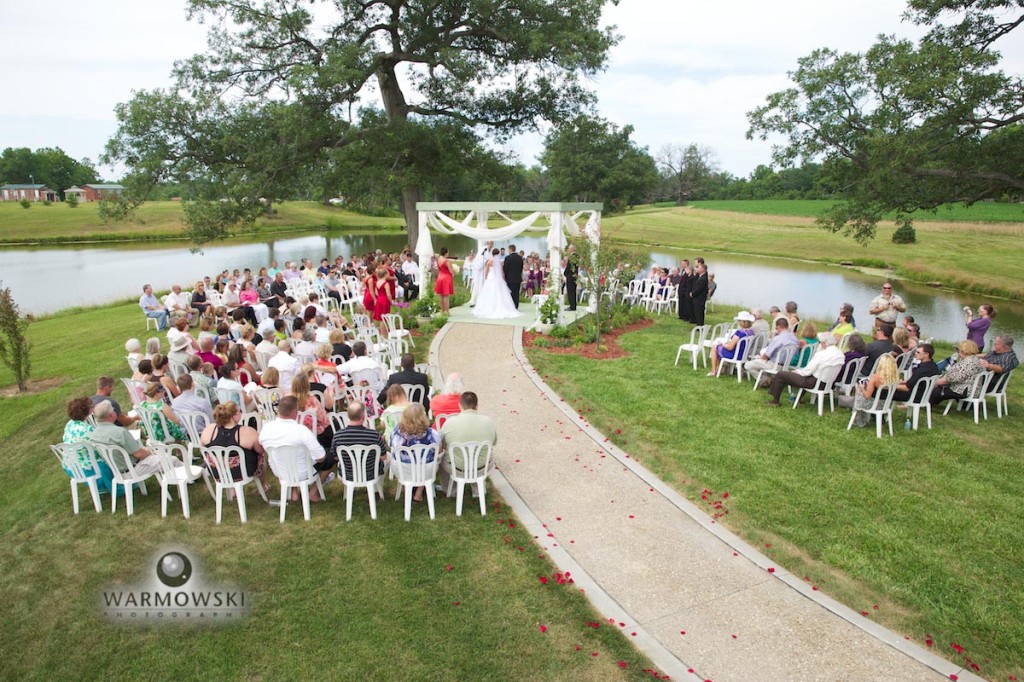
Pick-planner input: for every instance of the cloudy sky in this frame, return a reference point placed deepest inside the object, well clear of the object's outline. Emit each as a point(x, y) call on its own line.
point(684, 71)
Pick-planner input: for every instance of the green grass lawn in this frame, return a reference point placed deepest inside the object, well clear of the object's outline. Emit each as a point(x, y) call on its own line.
point(359, 600)
point(983, 212)
point(923, 532)
point(162, 220)
point(981, 257)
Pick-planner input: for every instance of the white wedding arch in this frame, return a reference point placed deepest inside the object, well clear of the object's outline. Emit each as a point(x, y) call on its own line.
point(555, 218)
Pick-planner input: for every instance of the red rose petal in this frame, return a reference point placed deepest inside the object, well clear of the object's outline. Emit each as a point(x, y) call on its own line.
point(448, 567)
point(543, 628)
point(682, 632)
point(734, 637)
point(622, 664)
point(594, 654)
point(771, 569)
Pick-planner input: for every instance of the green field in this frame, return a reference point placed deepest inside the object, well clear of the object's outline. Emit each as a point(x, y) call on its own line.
point(378, 600)
point(983, 212)
point(922, 532)
point(162, 220)
point(981, 257)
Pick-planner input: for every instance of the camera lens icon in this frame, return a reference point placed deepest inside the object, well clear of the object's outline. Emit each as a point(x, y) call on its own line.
point(174, 569)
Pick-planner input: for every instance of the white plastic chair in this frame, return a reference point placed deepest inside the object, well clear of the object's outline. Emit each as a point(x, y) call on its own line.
point(742, 354)
point(414, 466)
point(80, 462)
point(263, 360)
point(720, 330)
point(395, 328)
point(782, 363)
point(440, 418)
point(117, 458)
point(293, 466)
point(975, 396)
point(217, 461)
point(670, 301)
point(176, 369)
point(881, 408)
point(920, 399)
point(352, 465)
point(849, 376)
point(821, 389)
point(153, 321)
point(997, 391)
point(176, 468)
point(476, 458)
point(136, 391)
point(904, 363)
point(265, 399)
point(414, 392)
point(698, 335)
point(154, 420)
point(133, 363)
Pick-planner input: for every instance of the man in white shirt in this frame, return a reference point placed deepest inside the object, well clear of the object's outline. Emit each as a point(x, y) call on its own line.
point(361, 362)
point(266, 327)
point(808, 377)
point(229, 374)
point(772, 352)
point(285, 431)
point(177, 304)
point(287, 366)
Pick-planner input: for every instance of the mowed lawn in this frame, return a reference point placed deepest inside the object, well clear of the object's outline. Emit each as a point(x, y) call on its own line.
point(983, 257)
point(982, 212)
point(923, 532)
point(162, 220)
point(454, 598)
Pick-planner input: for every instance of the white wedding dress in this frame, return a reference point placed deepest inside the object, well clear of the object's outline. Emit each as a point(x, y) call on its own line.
point(495, 300)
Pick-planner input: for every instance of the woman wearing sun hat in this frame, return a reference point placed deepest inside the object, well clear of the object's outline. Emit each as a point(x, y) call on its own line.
point(728, 349)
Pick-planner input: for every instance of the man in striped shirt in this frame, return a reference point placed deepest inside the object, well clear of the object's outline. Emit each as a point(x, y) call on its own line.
point(357, 433)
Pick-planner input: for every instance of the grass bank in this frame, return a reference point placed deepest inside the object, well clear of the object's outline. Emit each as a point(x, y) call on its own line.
point(58, 223)
point(978, 257)
point(426, 600)
point(983, 212)
point(922, 532)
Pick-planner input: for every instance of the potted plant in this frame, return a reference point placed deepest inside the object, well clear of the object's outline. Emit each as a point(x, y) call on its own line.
point(547, 315)
point(424, 308)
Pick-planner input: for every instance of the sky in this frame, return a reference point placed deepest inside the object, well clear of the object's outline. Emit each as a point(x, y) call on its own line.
point(684, 71)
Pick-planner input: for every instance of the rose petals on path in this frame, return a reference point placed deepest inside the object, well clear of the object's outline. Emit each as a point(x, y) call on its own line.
point(622, 664)
point(735, 637)
point(771, 569)
point(682, 632)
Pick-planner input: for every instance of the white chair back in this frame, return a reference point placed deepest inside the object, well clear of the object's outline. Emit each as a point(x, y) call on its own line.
point(217, 459)
point(136, 391)
point(154, 421)
point(79, 460)
point(920, 399)
point(476, 466)
point(850, 375)
point(125, 475)
point(997, 391)
point(293, 465)
point(266, 399)
point(194, 423)
point(415, 464)
point(358, 463)
point(415, 392)
point(232, 395)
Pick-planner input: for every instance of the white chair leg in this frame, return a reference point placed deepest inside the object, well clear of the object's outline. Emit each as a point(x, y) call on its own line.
point(240, 494)
point(304, 491)
point(853, 417)
point(209, 485)
point(74, 495)
point(878, 425)
point(458, 498)
point(482, 487)
point(259, 486)
point(284, 500)
point(320, 487)
point(95, 491)
point(164, 494)
point(113, 498)
point(348, 501)
point(430, 500)
point(408, 501)
point(219, 501)
point(373, 502)
point(129, 499)
point(142, 488)
point(183, 494)
point(928, 412)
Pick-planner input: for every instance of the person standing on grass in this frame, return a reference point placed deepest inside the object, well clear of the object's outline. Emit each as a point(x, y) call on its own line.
point(685, 284)
point(699, 294)
point(887, 306)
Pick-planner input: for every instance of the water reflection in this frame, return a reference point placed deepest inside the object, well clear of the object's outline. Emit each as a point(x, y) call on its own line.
point(45, 280)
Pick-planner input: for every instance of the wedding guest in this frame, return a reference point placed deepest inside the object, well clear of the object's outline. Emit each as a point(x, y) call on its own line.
point(447, 401)
point(413, 429)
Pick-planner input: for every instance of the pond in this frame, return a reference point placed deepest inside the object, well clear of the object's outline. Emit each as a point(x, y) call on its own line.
point(45, 280)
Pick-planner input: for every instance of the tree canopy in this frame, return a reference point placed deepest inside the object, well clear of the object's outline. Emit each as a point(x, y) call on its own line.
point(287, 83)
point(590, 159)
point(907, 126)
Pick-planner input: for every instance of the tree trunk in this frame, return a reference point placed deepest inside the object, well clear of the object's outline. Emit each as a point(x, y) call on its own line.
point(397, 111)
point(411, 195)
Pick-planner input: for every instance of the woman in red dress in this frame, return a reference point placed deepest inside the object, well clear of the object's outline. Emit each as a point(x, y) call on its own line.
point(383, 302)
point(369, 293)
point(444, 287)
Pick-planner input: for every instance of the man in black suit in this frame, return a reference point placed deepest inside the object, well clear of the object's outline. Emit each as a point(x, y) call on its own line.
point(408, 375)
point(685, 283)
point(571, 272)
point(699, 294)
point(880, 346)
point(513, 269)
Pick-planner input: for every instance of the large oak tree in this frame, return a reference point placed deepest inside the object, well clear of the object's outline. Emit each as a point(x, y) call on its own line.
point(908, 125)
point(284, 82)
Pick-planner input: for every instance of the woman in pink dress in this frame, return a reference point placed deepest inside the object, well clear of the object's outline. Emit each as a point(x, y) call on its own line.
point(382, 305)
point(444, 287)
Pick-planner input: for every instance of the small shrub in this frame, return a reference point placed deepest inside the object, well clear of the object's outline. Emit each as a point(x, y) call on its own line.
point(424, 306)
point(559, 332)
point(47, 203)
point(25, 203)
point(72, 201)
point(15, 346)
point(904, 234)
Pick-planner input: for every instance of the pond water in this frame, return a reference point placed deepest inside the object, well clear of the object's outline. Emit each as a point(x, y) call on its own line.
point(45, 280)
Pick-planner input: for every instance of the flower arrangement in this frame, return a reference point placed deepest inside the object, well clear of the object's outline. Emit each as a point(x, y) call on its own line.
point(548, 311)
point(425, 306)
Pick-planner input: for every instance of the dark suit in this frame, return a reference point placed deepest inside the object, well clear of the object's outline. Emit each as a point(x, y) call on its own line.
point(875, 350)
point(699, 297)
point(407, 377)
point(685, 304)
point(570, 272)
point(513, 269)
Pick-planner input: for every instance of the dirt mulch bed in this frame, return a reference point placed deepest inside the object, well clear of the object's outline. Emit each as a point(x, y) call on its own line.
point(34, 386)
point(610, 348)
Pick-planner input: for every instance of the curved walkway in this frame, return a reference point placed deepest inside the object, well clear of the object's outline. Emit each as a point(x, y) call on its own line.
point(648, 558)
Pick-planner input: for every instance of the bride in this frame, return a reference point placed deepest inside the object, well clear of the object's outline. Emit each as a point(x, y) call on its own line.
point(495, 300)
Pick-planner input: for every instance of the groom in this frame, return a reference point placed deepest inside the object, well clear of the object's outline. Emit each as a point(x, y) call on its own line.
point(478, 271)
point(513, 269)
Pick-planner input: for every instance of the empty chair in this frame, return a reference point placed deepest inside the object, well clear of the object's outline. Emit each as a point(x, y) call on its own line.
point(293, 466)
point(698, 335)
point(136, 391)
point(414, 466)
point(975, 397)
point(475, 461)
point(126, 474)
point(176, 468)
point(395, 328)
point(219, 461)
point(359, 468)
point(81, 462)
point(881, 408)
point(821, 389)
point(997, 391)
point(920, 399)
